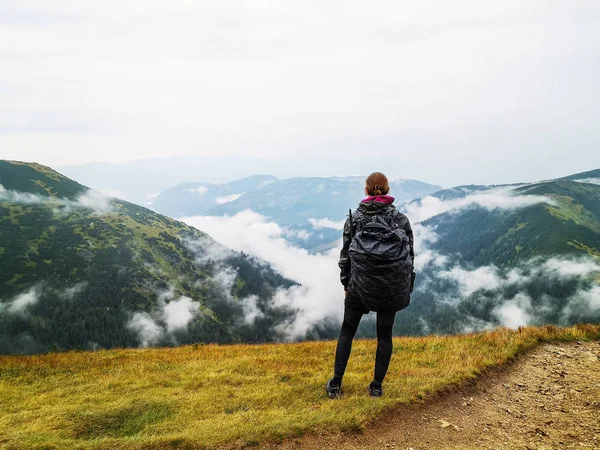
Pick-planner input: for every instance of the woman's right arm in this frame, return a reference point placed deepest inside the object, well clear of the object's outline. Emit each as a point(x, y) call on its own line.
point(344, 263)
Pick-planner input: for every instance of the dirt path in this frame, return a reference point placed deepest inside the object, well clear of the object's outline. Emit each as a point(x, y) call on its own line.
point(549, 399)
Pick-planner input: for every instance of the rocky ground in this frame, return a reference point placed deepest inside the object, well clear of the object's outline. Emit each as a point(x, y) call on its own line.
point(548, 399)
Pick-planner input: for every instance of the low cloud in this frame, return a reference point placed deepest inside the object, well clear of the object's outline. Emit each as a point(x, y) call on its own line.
point(320, 295)
point(470, 281)
point(584, 303)
point(25, 198)
point(172, 314)
point(424, 237)
point(589, 180)
point(32, 296)
point(90, 199)
point(225, 279)
point(518, 308)
point(318, 224)
point(515, 313)
point(178, 313)
point(21, 302)
point(96, 201)
point(567, 267)
point(227, 198)
point(148, 331)
point(498, 198)
point(149, 199)
point(71, 292)
point(207, 249)
point(296, 234)
point(251, 309)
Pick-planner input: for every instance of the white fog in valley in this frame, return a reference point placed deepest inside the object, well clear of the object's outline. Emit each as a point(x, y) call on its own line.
point(320, 295)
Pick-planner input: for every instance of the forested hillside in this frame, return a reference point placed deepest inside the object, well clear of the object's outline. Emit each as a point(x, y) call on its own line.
point(78, 269)
point(568, 225)
point(509, 257)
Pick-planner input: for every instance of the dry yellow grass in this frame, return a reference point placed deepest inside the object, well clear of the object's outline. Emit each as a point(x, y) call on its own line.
point(210, 396)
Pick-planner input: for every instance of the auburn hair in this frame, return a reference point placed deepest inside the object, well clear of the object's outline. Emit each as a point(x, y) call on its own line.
point(377, 184)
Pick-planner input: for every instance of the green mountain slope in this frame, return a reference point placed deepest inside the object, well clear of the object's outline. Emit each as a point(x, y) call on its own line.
point(584, 176)
point(78, 269)
point(36, 179)
point(570, 224)
point(535, 259)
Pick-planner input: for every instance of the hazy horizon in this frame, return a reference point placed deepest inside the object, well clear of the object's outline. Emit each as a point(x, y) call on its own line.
point(473, 92)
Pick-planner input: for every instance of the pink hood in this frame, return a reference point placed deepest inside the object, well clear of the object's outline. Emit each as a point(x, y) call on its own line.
point(388, 199)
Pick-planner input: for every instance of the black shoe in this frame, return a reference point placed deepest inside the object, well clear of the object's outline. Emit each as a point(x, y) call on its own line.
point(375, 390)
point(333, 390)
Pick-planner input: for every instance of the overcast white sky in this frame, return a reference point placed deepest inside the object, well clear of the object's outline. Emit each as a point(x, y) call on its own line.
point(453, 92)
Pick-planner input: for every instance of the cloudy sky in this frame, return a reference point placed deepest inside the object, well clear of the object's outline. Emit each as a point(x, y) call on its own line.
point(448, 92)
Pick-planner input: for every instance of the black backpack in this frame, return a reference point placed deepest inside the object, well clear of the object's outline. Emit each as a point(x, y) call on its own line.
point(380, 262)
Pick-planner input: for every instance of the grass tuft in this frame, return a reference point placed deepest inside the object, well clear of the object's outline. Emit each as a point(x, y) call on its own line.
point(119, 421)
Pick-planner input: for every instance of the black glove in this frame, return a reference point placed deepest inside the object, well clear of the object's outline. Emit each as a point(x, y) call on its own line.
point(412, 281)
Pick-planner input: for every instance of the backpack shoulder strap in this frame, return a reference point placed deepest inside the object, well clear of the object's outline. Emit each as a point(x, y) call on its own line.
point(387, 219)
point(393, 216)
point(351, 223)
point(390, 225)
point(357, 221)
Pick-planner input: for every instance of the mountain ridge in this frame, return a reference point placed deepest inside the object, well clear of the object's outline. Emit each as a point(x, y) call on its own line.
point(527, 255)
point(290, 191)
point(81, 269)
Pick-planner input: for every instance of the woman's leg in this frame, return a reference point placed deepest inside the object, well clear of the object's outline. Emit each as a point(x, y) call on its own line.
point(385, 324)
point(352, 318)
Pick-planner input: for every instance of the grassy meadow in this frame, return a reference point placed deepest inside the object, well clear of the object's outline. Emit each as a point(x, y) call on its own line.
point(210, 396)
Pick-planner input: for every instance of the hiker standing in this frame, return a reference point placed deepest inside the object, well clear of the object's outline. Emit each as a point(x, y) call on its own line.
point(376, 264)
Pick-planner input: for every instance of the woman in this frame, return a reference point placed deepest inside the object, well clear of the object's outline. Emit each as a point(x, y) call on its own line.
point(376, 265)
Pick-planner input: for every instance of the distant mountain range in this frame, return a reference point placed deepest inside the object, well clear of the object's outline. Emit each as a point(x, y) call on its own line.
point(296, 200)
point(311, 209)
point(141, 181)
point(194, 199)
point(78, 269)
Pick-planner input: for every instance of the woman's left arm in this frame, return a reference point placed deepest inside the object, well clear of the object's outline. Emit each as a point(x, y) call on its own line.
point(404, 224)
point(409, 232)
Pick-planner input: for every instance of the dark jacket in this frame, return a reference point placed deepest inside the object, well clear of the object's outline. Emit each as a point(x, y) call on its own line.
point(369, 209)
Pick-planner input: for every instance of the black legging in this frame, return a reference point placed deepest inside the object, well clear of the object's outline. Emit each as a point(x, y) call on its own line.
point(385, 323)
